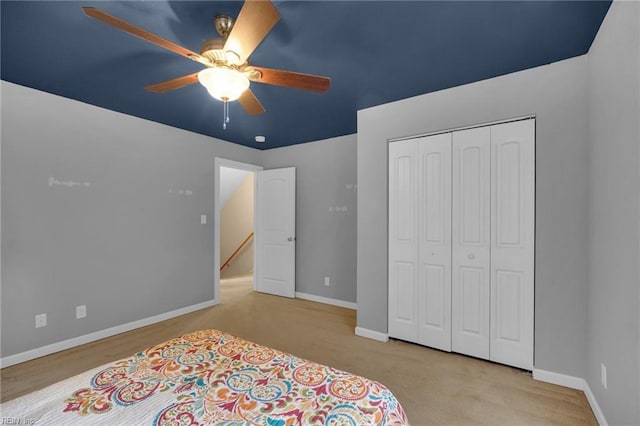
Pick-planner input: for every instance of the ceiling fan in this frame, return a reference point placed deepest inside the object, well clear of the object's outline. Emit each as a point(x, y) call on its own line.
point(227, 73)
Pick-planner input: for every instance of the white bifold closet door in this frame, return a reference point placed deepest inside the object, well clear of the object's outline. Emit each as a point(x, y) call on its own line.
point(512, 242)
point(461, 241)
point(420, 241)
point(471, 241)
point(434, 245)
point(403, 240)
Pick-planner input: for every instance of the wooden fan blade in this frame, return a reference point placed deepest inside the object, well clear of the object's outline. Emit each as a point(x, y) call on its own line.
point(250, 103)
point(296, 80)
point(254, 22)
point(143, 34)
point(176, 83)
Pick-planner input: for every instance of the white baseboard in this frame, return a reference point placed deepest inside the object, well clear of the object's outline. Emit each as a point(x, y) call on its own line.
point(573, 383)
point(370, 334)
point(327, 300)
point(97, 335)
point(559, 379)
point(594, 405)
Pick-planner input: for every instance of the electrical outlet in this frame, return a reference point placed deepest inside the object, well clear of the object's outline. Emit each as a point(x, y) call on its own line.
point(203, 219)
point(81, 311)
point(603, 373)
point(41, 320)
point(327, 281)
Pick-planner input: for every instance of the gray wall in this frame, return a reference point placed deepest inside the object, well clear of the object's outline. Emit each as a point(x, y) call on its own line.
point(557, 95)
point(325, 214)
point(230, 181)
point(129, 245)
point(614, 231)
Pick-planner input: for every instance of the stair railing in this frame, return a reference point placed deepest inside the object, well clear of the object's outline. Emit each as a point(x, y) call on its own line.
point(246, 240)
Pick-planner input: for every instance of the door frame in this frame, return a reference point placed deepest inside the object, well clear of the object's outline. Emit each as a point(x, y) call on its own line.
point(218, 163)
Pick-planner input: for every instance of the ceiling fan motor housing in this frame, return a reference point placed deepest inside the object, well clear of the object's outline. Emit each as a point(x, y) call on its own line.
point(213, 50)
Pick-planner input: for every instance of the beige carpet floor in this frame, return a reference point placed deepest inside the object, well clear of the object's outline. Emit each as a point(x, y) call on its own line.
point(434, 387)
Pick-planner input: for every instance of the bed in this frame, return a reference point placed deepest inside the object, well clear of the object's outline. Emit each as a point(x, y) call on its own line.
point(210, 377)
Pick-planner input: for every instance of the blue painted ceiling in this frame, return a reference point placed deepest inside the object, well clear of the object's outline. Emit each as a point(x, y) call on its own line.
point(374, 52)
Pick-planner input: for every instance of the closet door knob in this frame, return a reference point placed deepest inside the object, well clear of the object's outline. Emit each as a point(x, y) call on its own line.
point(471, 256)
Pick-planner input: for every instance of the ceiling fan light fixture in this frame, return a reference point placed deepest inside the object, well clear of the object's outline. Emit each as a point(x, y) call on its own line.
point(232, 57)
point(224, 84)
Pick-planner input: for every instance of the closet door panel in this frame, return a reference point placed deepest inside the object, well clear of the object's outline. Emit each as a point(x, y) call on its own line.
point(512, 243)
point(403, 240)
point(472, 311)
point(434, 248)
point(471, 241)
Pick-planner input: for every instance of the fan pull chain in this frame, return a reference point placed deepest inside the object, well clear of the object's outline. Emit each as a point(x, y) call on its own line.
point(225, 112)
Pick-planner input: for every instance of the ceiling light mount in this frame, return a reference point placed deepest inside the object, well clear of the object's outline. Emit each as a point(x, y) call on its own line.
point(223, 24)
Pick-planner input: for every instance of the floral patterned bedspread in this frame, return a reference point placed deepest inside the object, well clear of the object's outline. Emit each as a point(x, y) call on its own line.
point(209, 377)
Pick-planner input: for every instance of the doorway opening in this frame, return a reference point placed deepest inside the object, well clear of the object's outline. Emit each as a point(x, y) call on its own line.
point(234, 228)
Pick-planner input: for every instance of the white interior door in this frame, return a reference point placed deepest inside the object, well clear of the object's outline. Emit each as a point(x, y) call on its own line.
point(434, 252)
point(471, 241)
point(403, 241)
point(512, 243)
point(275, 231)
